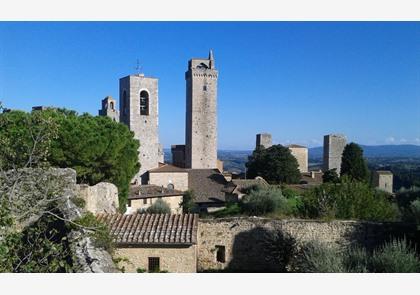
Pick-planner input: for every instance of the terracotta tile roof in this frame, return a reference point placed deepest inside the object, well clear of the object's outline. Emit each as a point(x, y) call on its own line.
point(151, 191)
point(209, 185)
point(151, 229)
point(167, 168)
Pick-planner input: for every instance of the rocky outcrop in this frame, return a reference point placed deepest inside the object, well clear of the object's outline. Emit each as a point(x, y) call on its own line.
point(100, 198)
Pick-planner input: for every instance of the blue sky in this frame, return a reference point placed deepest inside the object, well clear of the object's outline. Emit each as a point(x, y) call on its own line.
point(296, 80)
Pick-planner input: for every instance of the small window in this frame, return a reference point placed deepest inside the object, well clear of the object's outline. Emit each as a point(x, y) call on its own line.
point(144, 201)
point(111, 105)
point(205, 88)
point(170, 186)
point(154, 264)
point(221, 254)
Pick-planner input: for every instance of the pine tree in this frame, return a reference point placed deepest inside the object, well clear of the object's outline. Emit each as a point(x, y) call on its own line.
point(353, 164)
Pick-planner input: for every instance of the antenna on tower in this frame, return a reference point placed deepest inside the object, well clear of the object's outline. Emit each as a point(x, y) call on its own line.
point(138, 68)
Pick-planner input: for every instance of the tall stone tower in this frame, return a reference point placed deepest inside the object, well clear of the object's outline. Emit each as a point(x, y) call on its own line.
point(139, 111)
point(109, 108)
point(201, 115)
point(333, 150)
point(263, 139)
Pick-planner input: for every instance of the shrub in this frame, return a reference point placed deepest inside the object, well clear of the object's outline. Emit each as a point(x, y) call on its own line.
point(319, 258)
point(260, 202)
point(395, 256)
point(279, 247)
point(348, 200)
point(188, 204)
point(415, 210)
point(159, 207)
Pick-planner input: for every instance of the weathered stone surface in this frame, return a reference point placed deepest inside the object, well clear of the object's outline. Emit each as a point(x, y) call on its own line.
point(100, 198)
point(242, 238)
point(333, 150)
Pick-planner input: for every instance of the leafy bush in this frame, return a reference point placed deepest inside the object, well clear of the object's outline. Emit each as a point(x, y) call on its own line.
point(415, 210)
point(260, 202)
point(97, 230)
point(159, 207)
point(232, 209)
point(395, 256)
point(348, 200)
point(188, 204)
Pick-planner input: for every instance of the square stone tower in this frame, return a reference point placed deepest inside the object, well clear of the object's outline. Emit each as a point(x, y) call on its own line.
point(383, 180)
point(139, 111)
point(109, 108)
point(201, 114)
point(264, 139)
point(301, 155)
point(333, 150)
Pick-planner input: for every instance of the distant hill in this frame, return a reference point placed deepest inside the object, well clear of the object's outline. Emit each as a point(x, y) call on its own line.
point(378, 151)
point(234, 160)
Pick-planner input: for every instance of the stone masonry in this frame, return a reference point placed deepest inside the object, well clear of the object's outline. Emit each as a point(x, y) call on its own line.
point(201, 114)
point(333, 149)
point(383, 180)
point(264, 139)
point(241, 239)
point(100, 198)
point(139, 111)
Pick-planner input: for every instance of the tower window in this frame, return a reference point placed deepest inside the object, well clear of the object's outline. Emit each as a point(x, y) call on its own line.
point(144, 103)
point(205, 88)
point(111, 105)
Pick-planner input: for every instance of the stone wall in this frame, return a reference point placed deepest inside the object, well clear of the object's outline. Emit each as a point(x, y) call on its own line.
point(242, 238)
point(100, 198)
point(263, 139)
point(172, 259)
point(143, 204)
point(178, 179)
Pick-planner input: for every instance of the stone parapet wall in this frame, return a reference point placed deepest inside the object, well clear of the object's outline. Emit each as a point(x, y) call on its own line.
point(241, 238)
point(100, 198)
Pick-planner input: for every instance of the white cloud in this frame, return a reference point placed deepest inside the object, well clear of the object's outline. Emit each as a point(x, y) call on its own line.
point(417, 140)
point(403, 140)
point(390, 139)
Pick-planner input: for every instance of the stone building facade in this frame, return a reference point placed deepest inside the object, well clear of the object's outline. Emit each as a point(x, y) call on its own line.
point(383, 180)
point(155, 242)
point(109, 109)
point(333, 150)
point(264, 140)
point(99, 198)
point(301, 155)
point(169, 175)
point(178, 155)
point(139, 111)
point(201, 114)
point(143, 196)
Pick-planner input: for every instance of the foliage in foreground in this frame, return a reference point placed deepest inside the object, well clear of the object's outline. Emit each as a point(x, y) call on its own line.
point(395, 256)
point(353, 164)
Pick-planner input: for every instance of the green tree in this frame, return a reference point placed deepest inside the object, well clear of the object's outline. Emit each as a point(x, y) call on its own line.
point(275, 164)
point(98, 148)
point(188, 204)
point(353, 164)
point(331, 176)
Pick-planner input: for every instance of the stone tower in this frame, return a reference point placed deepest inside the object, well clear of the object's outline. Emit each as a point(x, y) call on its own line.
point(264, 139)
point(333, 150)
point(139, 111)
point(201, 114)
point(109, 108)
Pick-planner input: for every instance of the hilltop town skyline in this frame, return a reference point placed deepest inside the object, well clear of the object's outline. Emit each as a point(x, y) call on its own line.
point(308, 83)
